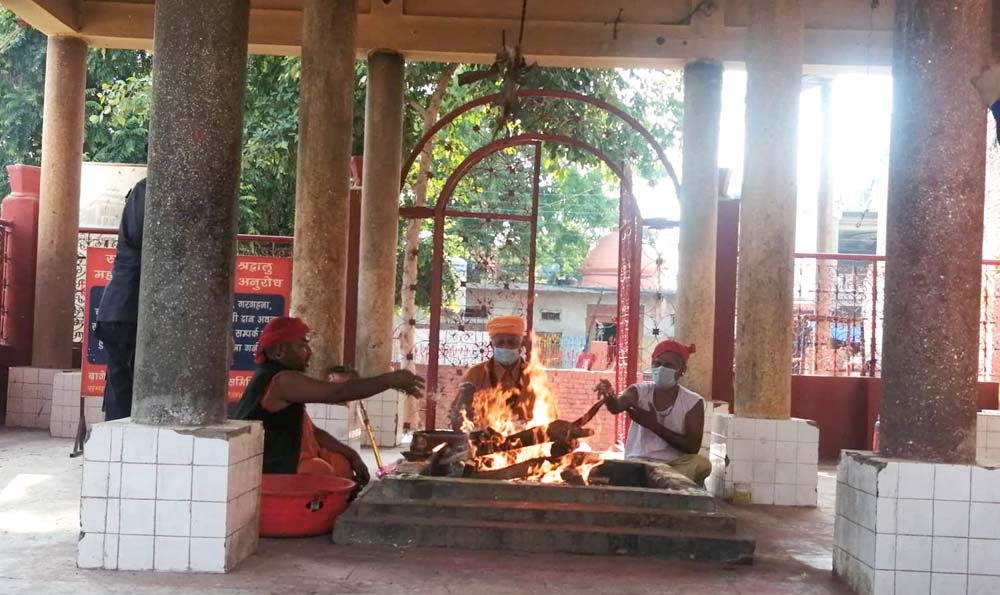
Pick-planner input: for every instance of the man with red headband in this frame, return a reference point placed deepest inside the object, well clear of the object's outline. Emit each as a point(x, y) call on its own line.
point(279, 390)
point(667, 419)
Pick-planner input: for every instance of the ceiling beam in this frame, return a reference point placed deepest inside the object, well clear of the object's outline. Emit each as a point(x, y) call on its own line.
point(52, 17)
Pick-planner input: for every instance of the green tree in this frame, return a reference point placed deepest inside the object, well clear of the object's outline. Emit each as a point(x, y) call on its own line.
point(22, 80)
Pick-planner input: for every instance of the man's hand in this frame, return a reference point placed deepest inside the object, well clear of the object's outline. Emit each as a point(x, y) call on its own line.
point(646, 418)
point(408, 382)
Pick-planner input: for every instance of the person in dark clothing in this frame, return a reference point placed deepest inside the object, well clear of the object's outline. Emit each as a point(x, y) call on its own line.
point(279, 390)
point(119, 308)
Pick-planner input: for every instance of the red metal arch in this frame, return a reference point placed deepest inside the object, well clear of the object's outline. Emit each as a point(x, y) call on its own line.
point(630, 220)
point(554, 93)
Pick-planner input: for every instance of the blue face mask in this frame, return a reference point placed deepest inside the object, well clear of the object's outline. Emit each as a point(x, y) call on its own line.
point(506, 357)
point(664, 377)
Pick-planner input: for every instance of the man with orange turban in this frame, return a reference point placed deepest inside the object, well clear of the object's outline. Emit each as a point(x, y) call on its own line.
point(277, 395)
point(668, 419)
point(505, 369)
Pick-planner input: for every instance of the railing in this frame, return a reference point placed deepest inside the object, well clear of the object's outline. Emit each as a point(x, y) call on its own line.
point(838, 316)
point(100, 237)
point(5, 232)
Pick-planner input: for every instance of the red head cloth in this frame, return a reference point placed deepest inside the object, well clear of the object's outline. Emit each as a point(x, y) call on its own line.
point(670, 345)
point(280, 330)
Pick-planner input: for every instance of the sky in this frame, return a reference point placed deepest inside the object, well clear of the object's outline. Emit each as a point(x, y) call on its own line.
point(861, 107)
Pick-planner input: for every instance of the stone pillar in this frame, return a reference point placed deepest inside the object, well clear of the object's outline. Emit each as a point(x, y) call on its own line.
point(935, 232)
point(379, 221)
point(323, 179)
point(826, 237)
point(59, 204)
point(767, 216)
point(189, 243)
point(699, 215)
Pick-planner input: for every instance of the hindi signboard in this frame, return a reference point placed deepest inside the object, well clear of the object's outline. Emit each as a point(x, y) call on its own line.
point(262, 292)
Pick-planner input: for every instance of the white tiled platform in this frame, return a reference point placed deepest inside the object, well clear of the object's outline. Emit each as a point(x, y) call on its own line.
point(910, 528)
point(65, 415)
point(29, 397)
point(711, 408)
point(988, 437)
point(340, 421)
point(174, 499)
point(776, 459)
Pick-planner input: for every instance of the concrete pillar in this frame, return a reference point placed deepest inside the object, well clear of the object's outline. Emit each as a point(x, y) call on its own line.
point(189, 242)
point(699, 216)
point(323, 179)
point(935, 232)
point(59, 204)
point(826, 236)
point(767, 216)
point(379, 221)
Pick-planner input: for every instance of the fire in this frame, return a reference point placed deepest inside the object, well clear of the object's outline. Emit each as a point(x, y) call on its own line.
point(501, 413)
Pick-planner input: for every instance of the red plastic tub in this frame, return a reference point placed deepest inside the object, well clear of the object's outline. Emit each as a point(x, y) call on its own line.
point(301, 505)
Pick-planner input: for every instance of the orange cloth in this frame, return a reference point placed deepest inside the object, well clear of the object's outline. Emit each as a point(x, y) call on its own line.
point(506, 325)
point(316, 460)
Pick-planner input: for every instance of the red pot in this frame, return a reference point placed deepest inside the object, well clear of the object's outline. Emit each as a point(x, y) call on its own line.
point(301, 505)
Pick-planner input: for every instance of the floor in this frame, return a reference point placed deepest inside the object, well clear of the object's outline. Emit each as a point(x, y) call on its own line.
point(39, 488)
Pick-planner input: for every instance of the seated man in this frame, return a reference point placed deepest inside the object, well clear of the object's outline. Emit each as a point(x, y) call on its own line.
point(667, 419)
point(505, 369)
point(279, 390)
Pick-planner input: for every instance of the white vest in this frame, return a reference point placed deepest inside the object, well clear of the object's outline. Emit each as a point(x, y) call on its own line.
point(642, 442)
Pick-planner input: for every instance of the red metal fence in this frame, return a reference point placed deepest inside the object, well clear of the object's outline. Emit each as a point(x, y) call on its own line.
point(5, 229)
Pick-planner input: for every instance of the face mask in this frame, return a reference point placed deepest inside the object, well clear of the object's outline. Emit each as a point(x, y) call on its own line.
point(506, 357)
point(664, 377)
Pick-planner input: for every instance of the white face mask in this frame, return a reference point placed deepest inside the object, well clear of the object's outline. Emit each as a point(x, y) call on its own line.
point(664, 377)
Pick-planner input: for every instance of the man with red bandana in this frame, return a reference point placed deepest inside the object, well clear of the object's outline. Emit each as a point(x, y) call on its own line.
point(667, 418)
point(279, 390)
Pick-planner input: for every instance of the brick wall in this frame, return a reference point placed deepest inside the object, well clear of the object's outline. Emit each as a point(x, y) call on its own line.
point(574, 391)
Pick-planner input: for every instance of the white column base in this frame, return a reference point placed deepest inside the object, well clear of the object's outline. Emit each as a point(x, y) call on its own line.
point(988, 438)
point(178, 499)
point(911, 528)
point(29, 397)
point(65, 417)
point(711, 409)
point(340, 421)
point(775, 460)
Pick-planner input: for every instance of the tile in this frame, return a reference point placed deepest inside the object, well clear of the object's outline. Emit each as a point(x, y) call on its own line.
point(984, 556)
point(114, 480)
point(92, 514)
point(208, 554)
point(808, 453)
point(888, 481)
point(763, 472)
point(952, 482)
point(985, 520)
point(174, 448)
point(95, 480)
point(866, 547)
point(992, 423)
point(885, 515)
point(90, 550)
point(948, 584)
point(135, 552)
point(785, 473)
point(173, 482)
point(210, 484)
point(784, 495)
point(916, 480)
point(762, 493)
point(113, 517)
point(117, 435)
point(111, 551)
point(984, 585)
point(742, 450)
point(951, 518)
point(208, 519)
point(139, 444)
point(211, 451)
point(985, 485)
point(885, 552)
point(786, 431)
point(171, 553)
point(138, 481)
point(913, 583)
point(173, 518)
point(744, 428)
point(763, 450)
point(765, 429)
point(805, 495)
point(885, 582)
point(913, 553)
point(137, 517)
point(914, 517)
point(786, 452)
point(950, 554)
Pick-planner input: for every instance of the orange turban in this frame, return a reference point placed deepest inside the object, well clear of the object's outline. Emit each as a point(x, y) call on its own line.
point(671, 346)
point(282, 329)
point(505, 325)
